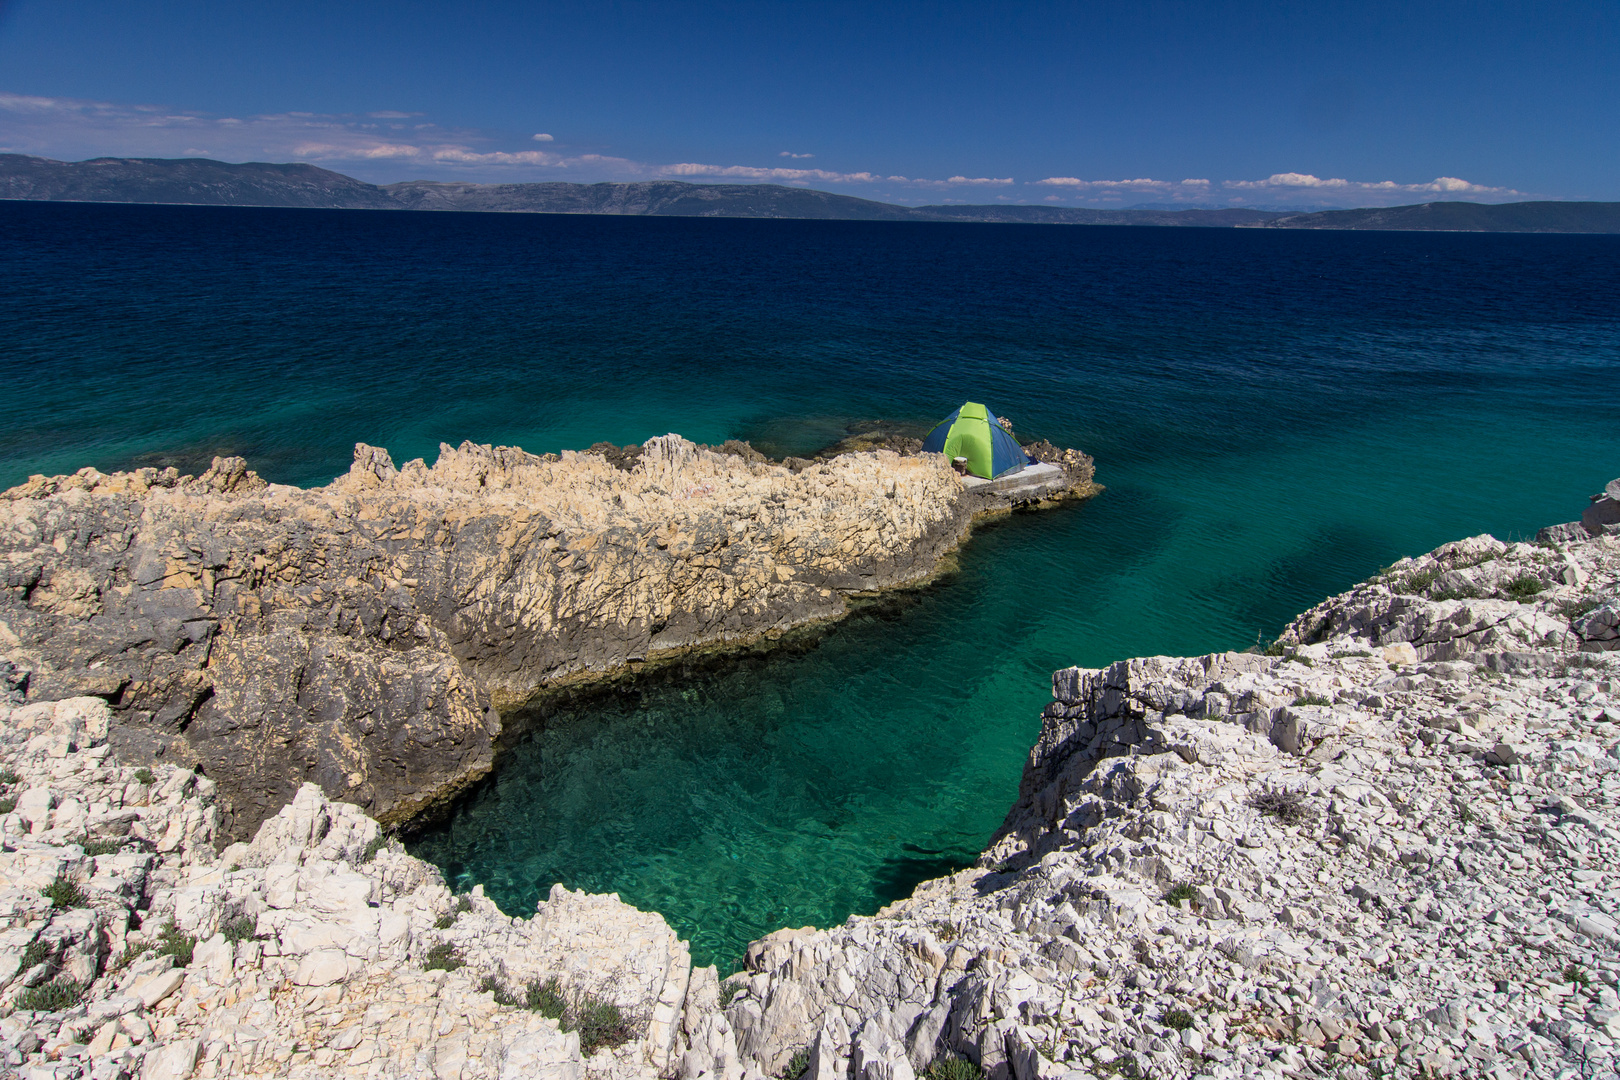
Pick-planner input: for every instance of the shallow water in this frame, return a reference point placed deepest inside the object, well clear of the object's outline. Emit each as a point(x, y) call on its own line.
point(1275, 414)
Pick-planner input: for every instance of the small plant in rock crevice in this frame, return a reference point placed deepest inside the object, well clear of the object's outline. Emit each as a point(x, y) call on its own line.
point(8, 776)
point(952, 1067)
point(1178, 1020)
point(130, 954)
point(171, 942)
point(601, 1024)
point(8, 804)
point(54, 996)
point(1465, 592)
point(1311, 699)
point(728, 991)
point(1288, 807)
point(1523, 587)
point(490, 985)
point(943, 931)
point(1417, 582)
point(797, 1065)
point(241, 928)
point(1180, 892)
point(1574, 609)
point(545, 998)
point(92, 848)
point(443, 957)
point(378, 844)
point(1577, 976)
point(144, 777)
point(444, 922)
point(65, 893)
point(39, 950)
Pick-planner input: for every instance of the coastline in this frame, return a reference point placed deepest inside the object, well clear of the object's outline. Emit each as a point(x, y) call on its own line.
point(375, 635)
point(1386, 845)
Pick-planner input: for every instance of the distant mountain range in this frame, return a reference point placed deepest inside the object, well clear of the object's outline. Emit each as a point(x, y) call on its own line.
point(1531, 217)
point(200, 181)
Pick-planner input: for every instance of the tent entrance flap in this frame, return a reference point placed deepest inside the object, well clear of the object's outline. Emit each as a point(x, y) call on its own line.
point(974, 433)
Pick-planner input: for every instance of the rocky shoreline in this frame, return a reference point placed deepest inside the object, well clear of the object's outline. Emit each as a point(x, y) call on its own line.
point(377, 635)
point(1384, 847)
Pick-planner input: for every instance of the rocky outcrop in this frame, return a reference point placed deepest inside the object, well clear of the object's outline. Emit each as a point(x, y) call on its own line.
point(1384, 847)
point(375, 636)
point(128, 947)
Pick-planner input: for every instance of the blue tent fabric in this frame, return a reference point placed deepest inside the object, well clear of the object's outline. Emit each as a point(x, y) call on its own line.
point(1006, 454)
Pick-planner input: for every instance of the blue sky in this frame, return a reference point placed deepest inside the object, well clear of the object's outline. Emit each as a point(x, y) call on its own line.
point(1099, 104)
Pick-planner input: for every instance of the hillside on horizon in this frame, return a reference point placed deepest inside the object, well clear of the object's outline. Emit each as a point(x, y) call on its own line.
point(205, 182)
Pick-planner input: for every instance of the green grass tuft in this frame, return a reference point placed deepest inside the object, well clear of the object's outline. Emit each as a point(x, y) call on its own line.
point(443, 957)
point(1178, 1019)
point(381, 841)
point(488, 985)
point(92, 848)
point(171, 942)
point(54, 996)
point(545, 998)
point(39, 950)
point(1179, 893)
point(1523, 587)
point(600, 1023)
point(1288, 807)
point(951, 1067)
point(1577, 975)
point(8, 776)
point(727, 992)
point(144, 776)
point(1418, 582)
point(1574, 609)
point(464, 904)
point(1467, 592)
point(444, 922)
point(65, 893)
point(797, 1065)
point(8, 804)
point(130, 954)
point(1311, 699)
point(241, 928)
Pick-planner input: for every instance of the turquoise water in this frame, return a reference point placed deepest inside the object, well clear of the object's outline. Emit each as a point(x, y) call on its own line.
point(1275, 414)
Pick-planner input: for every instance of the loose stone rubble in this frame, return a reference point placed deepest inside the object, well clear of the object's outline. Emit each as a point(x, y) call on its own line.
point(308, 947)
point(376, 636)
point(1387, 847)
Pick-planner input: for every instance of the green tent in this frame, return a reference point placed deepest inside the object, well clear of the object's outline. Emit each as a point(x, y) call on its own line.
point(972, 432)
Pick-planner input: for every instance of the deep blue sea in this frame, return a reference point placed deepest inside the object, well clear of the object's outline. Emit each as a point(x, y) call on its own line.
point(1276, 415)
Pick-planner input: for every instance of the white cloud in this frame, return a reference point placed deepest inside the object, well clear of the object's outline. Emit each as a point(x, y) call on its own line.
point(1441, 185)
point(379, 146)
point(1289, 189)
point(752, 172)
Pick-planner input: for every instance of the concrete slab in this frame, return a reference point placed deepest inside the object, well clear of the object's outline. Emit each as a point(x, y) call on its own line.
point(1030, 476)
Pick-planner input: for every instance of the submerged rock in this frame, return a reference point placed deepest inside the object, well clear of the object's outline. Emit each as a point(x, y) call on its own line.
point(369, 636)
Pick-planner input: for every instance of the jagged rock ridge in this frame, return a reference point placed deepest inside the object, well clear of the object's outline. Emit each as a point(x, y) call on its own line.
point(370, 635)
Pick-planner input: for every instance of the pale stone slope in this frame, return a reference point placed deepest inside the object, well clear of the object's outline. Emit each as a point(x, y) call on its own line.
point(312, 942)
